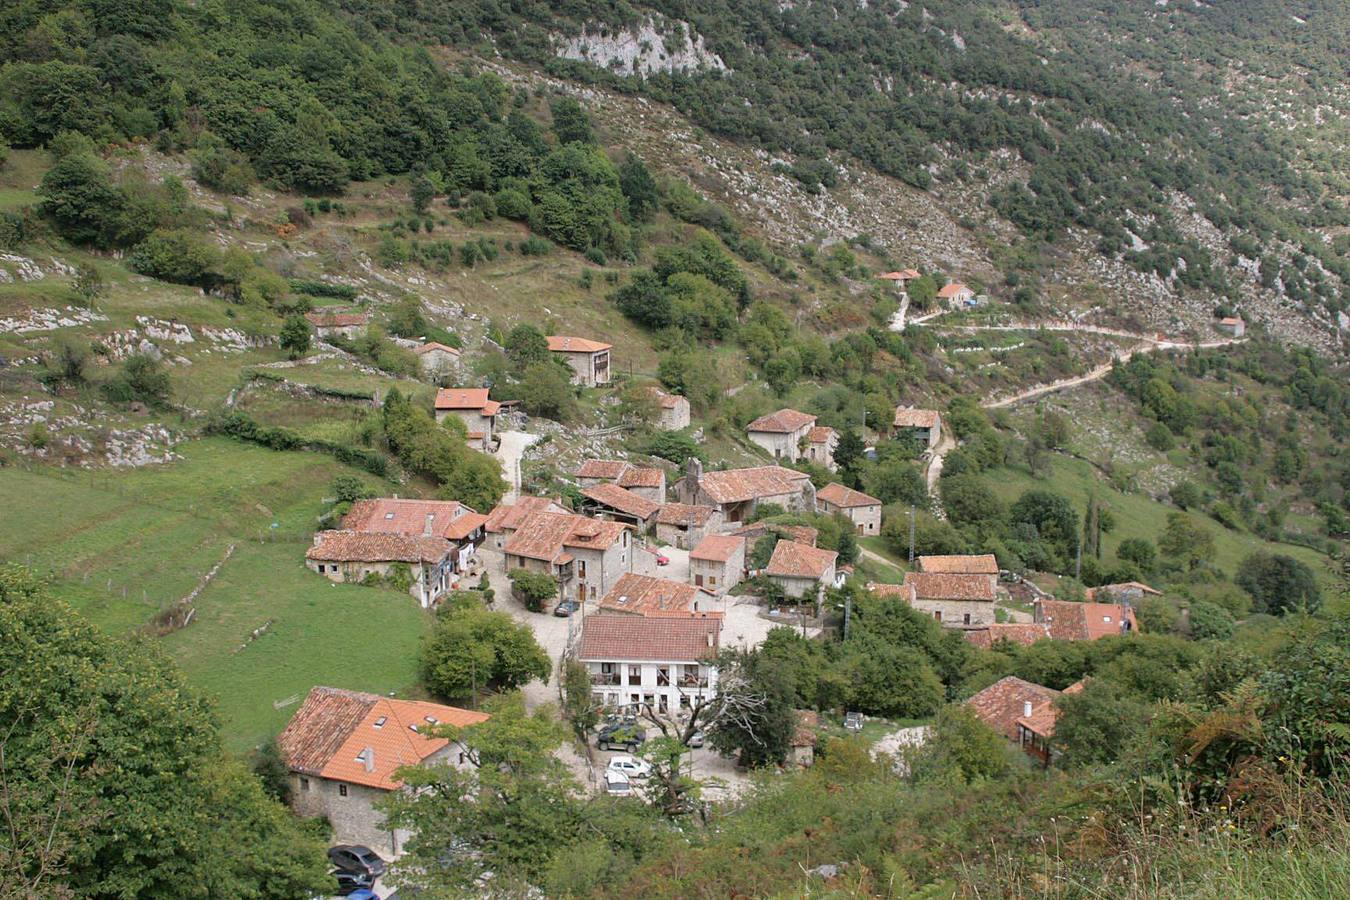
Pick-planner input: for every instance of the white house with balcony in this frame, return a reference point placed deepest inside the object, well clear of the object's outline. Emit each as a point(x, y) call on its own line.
point(664, 664)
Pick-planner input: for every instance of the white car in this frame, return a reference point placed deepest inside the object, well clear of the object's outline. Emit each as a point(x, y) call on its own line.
point(630, 766)
point(617, 784)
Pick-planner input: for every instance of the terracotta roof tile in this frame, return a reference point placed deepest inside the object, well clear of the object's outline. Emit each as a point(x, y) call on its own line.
point(622, 473)
point(718, 547)
point(931, 586)
point(436, 345)
point(686, 514)
point(593, 534)
point(358, 546)
point(625, 501)
point(560, 343)
point(643, 595)
point(793, 560)
point(467, 398)
point(785, 421)
point(508, 516)
point(821, 434)
point(983, 564)
point(902, 275)
point(836, 494)
point(1024, 633)
point(951, 289)
point(903, 591)
point(737, 485)
point(364, 738)
point(908, 417)
point(655, 639)
point(1069, 621)
point(448, 518)
point(1002, 703)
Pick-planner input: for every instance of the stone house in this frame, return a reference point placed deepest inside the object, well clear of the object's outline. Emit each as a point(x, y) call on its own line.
point(1036, 727)
point(802, 747)
point(1024, 633)
point(505, 518)
point(737, 493)
point(956, 295)
point(1070, 621)
point(474, 409)
point(1131, 591)
point(663, 664)
point(353, 556)
point(957, 601)
point(925, 424)
point(820, 443)
point(586, 556)
point(674, 410)
point(1002, 703)
point(348, 325)
point(342, 748)
point(643, 595)
point(717, 564)
point(863, 510)
point(802, 534)
point(801, 571)
point(589, 360)
point(610, 501)
point(900, 279)
point(1232, 325)
point(783, 434)
point(645, 481)
point(983, 564)
point(683, 526)
point(437, 360)
point(459, 524)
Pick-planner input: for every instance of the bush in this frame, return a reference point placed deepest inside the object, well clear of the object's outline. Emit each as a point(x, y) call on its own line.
point(534, 589)
point(142, 379)
point(470, 649)
point(323, 289)
point(179, 256)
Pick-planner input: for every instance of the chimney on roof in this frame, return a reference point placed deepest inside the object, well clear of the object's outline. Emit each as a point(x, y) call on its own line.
point(368, 755)
point(426, 529)
point(1026, 708)
point(693, 471)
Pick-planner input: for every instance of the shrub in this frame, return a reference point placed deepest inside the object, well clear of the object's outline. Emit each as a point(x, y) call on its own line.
point(141, 379)
point(534, 589)
point(179, 256)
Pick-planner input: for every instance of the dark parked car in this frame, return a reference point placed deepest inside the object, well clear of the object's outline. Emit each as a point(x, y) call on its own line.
point(349, 883)
point(621, 736)
point(355, 858)
point(566, 608)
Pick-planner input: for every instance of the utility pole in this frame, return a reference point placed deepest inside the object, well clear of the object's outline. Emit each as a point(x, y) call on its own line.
point(911, 535)
point(1078, 561)
point(848, 613)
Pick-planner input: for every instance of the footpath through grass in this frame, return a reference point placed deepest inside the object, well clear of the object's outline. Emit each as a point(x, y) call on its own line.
point(122, 545)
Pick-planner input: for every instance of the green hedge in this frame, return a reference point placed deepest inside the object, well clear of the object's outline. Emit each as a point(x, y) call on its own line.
point(241, 427)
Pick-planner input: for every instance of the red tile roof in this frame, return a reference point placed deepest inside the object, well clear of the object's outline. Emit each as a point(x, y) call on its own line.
point(785, 421)
point(436, 345)
point(793, 560)
point(625, 501)
point(1069, 621)
point(564, 344)
point(667, 401)
point(643, 595)
point(907, 417)
point(1004, 702)
point(467, 398)
point(902, 275)
point(358, 546)
point(622, 473)
point(1024, 633)
point(508, 516)
point(821, 434)
point(934, 586)
point(738, 485)
point(903, 591)
point(718, 547)
point(951, 289)
point(448, 518)
point(1124, 587)
point(686, 514)
point(836, 494)
point(337, 319)
point(363, 738)
point(644, 639)
point(544, 535)
point(983, 564)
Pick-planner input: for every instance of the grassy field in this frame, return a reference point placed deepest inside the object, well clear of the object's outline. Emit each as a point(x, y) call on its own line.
point(122, 545)
point(1139, 516)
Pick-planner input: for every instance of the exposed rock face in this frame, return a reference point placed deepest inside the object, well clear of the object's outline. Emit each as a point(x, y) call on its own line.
point(643, 49)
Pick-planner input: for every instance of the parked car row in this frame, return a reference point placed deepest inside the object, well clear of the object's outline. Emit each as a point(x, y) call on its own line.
point(355, 869)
